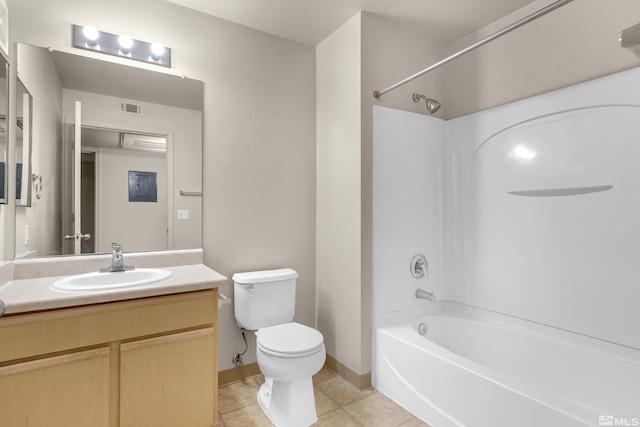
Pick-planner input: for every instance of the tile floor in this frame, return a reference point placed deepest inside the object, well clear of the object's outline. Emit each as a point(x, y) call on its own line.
point(338, 403)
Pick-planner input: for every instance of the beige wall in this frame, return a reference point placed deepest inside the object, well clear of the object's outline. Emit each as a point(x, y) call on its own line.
point(135, 225)
point(41, 79)
point(364, 53)
point(259, 133)
point(575, 43)
point(338, 236)
point(8, 211)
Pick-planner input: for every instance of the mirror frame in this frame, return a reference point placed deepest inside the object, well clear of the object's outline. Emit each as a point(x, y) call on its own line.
point(4, 91)
point(24, 173)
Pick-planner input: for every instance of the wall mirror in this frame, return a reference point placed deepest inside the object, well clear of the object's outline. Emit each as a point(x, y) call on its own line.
point(4, 107)
point(113, 149)
point(23, 129)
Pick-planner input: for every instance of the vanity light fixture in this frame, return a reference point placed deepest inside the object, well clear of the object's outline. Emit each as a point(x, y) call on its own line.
point(91, 34)
point(126, 43)
point(90, 38)
point(157, 50)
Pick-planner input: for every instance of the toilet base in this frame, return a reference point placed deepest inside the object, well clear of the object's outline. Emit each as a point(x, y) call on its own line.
point(288, 404)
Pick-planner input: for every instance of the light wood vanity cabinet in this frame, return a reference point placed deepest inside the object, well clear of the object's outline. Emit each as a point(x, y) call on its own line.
point(147, 362)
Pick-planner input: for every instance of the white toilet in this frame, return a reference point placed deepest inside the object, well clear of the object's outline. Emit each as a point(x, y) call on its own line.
point(288, 353)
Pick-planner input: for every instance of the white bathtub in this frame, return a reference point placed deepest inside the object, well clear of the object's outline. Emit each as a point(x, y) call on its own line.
point(477, 368)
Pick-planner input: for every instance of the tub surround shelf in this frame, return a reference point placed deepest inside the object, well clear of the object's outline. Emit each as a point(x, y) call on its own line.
point(556, 192)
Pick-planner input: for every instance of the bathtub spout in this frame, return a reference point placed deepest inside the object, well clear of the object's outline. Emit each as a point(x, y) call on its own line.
point(429, 296)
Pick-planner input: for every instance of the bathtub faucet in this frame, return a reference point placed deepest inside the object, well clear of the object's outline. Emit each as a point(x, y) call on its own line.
point(429, 296)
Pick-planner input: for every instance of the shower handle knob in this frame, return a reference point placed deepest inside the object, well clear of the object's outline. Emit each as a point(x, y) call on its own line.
point(419, 266)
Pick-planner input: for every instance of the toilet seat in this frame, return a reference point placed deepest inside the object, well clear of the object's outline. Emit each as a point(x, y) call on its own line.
point(289, 340)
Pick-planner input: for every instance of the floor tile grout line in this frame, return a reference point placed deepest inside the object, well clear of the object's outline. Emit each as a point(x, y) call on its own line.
point(255, 381)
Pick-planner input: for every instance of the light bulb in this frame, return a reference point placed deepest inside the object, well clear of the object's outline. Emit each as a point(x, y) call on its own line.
point(125, 43)
point(91, 34)
point(157, 50)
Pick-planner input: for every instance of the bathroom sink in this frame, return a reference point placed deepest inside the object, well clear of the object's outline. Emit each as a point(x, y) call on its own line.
point(111, 281)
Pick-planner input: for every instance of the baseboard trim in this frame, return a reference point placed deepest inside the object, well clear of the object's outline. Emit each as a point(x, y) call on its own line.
point(362, 382)
point(237, 374)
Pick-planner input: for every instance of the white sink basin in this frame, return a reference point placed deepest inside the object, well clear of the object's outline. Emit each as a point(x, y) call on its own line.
point(111, 281)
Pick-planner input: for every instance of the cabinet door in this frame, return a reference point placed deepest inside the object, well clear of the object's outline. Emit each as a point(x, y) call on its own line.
point(169, 381)
point(62, 391)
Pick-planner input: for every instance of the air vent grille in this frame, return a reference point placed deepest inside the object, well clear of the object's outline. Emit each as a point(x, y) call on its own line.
point(130, 108)
point(144, 143)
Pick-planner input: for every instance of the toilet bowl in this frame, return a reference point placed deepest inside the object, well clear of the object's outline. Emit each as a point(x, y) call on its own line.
point(288, 353)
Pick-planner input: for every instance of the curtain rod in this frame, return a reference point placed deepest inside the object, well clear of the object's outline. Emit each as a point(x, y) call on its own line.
point(553, 6)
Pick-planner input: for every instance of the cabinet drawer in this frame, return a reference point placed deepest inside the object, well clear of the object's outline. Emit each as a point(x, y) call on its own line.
point(29, 335)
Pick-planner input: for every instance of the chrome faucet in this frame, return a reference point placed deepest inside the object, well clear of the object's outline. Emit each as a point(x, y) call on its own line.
point(117, 260)
point(429, 296)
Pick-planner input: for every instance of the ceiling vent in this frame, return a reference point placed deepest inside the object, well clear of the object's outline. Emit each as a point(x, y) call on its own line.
point(130, 108)
point(156, 144)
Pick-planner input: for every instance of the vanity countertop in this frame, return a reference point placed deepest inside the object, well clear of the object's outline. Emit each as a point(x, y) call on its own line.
point(34, 294)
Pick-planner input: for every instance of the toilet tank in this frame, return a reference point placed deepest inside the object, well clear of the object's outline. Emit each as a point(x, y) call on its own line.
point(264, 298)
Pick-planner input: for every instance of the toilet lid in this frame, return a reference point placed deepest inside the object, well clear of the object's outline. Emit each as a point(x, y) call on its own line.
point(290, 339)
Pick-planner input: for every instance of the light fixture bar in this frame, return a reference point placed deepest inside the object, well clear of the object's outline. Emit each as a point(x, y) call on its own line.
point(121, 45)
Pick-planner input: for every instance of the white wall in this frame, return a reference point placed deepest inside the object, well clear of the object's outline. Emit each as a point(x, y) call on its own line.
point(566, 261)
point(408, 207)
point(389, 53)
point(259, 133)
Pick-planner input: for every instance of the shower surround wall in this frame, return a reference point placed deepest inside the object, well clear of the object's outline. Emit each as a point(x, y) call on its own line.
point(408, 179)
point(565, 261)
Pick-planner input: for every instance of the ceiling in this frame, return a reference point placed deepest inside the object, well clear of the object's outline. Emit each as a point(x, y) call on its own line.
point(311, 21)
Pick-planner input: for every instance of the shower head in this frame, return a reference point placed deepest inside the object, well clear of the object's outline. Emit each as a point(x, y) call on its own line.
point(432, 104)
